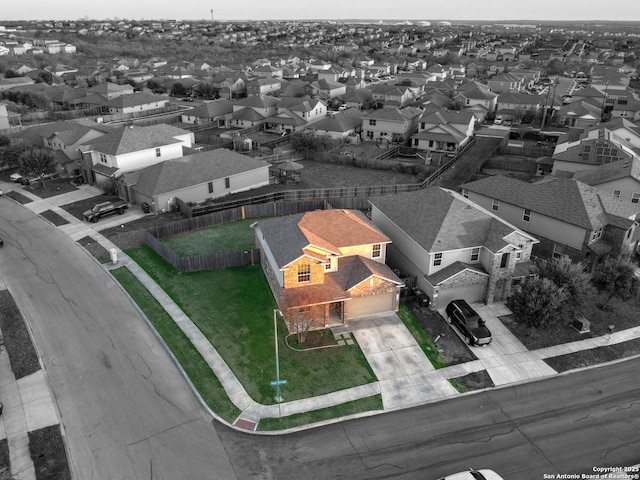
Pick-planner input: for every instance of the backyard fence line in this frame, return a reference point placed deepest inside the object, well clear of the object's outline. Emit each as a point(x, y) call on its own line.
point(204, 261)
point(208, 261)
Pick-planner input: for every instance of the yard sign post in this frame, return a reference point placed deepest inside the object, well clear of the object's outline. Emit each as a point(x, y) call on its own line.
point(278, 382)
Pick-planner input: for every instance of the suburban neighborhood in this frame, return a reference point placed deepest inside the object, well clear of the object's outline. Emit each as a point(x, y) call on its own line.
point(315, 222)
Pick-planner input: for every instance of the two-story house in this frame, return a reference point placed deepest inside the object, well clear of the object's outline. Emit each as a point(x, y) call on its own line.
point(505, 82)
point(253, 110)
point(451, 246)
point(620, 178)
point(523, 106)
point(473, 95)
point(444, 130)
point(327, 265)
point(567, 216)
point(393, 125)
point(296, 113)
point(131, 148)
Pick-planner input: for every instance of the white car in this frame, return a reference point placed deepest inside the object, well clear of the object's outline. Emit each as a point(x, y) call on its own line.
point(15, 177)
point(471, 474)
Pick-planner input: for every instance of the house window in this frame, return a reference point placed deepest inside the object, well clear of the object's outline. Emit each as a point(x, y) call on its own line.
point(504, 261)
point(103, 158)
point(635, 197)
point(157, 152)
point(526, 215)
point(465, 193)
point(475, 254)
point(327, 266)
point(304, 273)
point(376, 251)
point(372, 122)
point(495, 205)
point(227, 183)
point(437, 259)
point(518, 255)
point(516, 282)
point(210, 187)
point(557, 252)
point(596, 234)
point(616, 193)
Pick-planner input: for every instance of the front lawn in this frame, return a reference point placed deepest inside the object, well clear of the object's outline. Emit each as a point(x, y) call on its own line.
point(229, 237)
point(234, 309)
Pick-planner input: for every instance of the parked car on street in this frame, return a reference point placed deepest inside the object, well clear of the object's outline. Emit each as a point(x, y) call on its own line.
point(15, 177)
point(467, 321)
point(471, 474)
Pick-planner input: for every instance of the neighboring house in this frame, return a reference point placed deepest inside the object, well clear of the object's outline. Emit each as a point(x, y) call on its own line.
point(579, 114)
point(520, 104)
point(444, 131)
point(253, 110)
point(327, 89)
point(263, 86)
point(131, 148)
point(621, 179)
point(391, 95)
point(505, 82)
point(64, 138)
point(567, 216)
point(343, 124)
point(135, 103)
point(295, 114)
point(217, 111)
point(585, 154)
point(235, 84)
point(108, 90)
point(393, 125)
point(193, 178)
point(472, 94)
point(327, 267)
point(619, 139)
point(451, 246)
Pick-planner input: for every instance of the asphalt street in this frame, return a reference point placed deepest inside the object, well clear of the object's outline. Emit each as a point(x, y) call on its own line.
point(567, 424)
point(126, 410)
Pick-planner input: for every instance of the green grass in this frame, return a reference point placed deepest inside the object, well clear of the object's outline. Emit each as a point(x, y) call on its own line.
point(192, 362)
point(234, 309)
point(426, 344)
point(229, 237)
point(350, 408)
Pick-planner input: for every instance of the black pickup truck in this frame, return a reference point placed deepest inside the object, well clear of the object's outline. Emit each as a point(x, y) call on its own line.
point(103, 209)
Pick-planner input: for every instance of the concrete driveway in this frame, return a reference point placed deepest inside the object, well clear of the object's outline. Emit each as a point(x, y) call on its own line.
point(406, 376)
point(505, 359)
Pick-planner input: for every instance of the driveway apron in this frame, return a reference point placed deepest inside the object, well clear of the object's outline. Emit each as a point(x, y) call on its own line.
point(406, 376)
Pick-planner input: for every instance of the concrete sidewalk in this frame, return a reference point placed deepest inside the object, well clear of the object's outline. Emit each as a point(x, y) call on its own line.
point(405, 376)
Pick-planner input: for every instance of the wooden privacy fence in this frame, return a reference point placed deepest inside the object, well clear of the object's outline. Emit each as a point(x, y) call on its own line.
point(204, 261)
point(208, 261)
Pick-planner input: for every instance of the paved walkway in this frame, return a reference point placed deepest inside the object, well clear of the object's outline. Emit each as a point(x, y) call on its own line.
point(405, 377)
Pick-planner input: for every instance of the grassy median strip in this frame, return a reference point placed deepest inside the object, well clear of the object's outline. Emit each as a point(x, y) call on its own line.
point(594, 356)
point(48, 454)
point(426, 344)
point(192, 362)
point(350, 408)
point(234, 308)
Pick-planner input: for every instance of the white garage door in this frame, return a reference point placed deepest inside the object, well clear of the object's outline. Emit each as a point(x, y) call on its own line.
point(470, 293)
point(359, 306)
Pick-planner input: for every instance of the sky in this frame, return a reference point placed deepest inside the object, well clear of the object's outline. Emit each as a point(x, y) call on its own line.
point(412, 10)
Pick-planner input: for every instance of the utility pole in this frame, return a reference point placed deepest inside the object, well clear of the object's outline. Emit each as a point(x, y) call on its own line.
point(212, 15)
